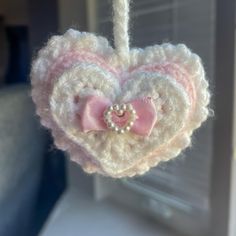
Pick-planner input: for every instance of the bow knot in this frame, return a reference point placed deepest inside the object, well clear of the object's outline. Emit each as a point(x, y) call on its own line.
point(97, 113)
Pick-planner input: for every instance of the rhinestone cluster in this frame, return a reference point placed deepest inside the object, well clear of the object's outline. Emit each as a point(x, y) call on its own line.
point(119, 110)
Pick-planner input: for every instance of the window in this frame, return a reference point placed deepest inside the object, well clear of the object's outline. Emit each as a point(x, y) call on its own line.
point(180, 188)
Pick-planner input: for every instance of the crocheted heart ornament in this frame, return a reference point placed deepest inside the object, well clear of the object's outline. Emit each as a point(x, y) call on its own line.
point(115, 117)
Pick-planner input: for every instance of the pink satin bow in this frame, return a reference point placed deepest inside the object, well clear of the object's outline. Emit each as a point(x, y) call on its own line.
point(92, 115)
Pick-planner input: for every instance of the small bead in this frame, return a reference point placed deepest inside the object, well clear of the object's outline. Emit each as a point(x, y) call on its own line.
point(116, 107)
point(121, 131)
point(131, 123)
point(110, 108)
point(120, 112)
point(107, 113)
point(116, 129)
point(123, 106)
point(129, 107)
point(111, 125)
point(127, 128)
point(133, 111)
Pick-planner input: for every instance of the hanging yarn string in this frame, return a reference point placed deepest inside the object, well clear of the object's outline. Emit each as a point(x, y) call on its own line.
point(121, 27)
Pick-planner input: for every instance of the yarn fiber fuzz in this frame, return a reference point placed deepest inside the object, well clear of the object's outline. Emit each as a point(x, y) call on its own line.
point(77, 65)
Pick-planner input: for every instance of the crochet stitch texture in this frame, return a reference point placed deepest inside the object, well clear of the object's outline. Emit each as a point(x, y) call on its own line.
point(76, 65)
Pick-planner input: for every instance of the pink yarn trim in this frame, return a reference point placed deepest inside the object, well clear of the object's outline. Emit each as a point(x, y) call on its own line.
point(44, 87)
point(176, 72)
point(71, 58)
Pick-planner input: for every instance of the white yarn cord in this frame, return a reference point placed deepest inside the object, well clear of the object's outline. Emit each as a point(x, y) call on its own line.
point(121, 27)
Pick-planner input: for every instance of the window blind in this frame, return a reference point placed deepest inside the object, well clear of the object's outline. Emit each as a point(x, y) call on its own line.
point(185, 181)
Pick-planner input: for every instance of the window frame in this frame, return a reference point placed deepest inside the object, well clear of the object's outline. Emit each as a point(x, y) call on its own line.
point(223, 191)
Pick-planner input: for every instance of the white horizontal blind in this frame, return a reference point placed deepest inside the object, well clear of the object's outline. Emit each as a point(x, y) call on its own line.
point(185, 180)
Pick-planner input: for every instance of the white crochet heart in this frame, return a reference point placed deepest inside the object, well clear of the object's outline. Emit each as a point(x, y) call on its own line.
point(122, 151)
point(76, 65)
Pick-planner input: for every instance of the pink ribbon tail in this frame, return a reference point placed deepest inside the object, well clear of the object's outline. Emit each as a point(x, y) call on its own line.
point(91, 113)
point(147, 116)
